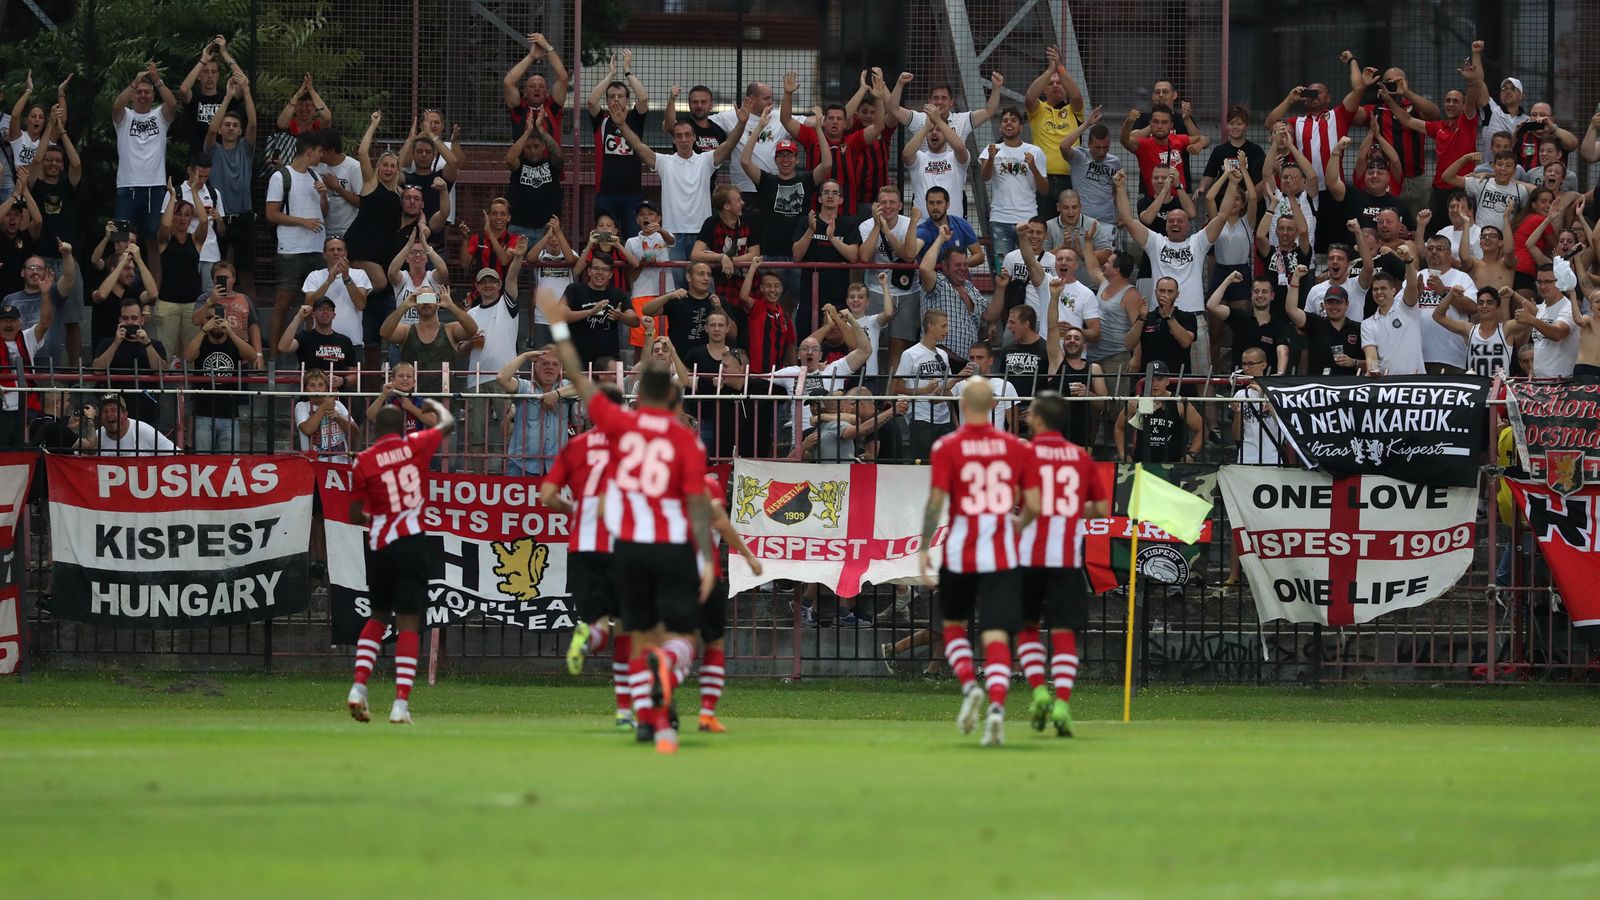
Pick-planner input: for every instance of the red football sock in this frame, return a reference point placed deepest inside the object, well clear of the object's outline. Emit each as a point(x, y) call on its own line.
point(713, 676)
point(680, 653)
point(598, 638)
point(1064, 661)
point(368, 647)
point(997, 670)
point(406, 648)
point(1030, 652)
point(621, 649)
point(958, 653)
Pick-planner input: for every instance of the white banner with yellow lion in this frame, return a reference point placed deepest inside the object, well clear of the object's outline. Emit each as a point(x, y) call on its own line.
point(503, 555)
point(841, 526)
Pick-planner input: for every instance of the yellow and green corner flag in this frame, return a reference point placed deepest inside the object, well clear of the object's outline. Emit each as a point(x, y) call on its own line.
point(1164, 504)
point(1178, 513)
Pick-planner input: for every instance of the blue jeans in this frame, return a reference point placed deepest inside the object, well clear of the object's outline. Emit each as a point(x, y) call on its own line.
point(141, 208)
point(532, 235)
point(622, 207)
point(1002, 240)
point(680, 252)
point(216, 434)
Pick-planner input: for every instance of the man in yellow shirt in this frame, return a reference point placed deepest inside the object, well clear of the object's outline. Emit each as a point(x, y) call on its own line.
point(1055, 109)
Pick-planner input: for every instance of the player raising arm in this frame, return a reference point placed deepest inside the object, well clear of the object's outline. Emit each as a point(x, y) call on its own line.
point(400, 559)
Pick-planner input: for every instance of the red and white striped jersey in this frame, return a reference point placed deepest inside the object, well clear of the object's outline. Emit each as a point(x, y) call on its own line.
point(982, 469)
point(582, 467)
point(1067, 478)
point(389, 479)
point(656, 465)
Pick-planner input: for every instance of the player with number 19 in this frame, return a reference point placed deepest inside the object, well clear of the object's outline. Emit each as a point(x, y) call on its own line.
point(1070, 491)
point(388, 488)
point(982, 470)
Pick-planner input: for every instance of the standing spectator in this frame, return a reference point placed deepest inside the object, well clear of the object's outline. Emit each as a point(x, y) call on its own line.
point(1169, 431)
point(1540, 127)
point(1026, 360)
point(764, 130)
point(605, 242)
point(1235, 248)
point(429, 343)
point(1166, 334)
point(598, 307)
point(1551, 157)
point(783, 198)
point(493, 305)
point(686, 174)
point(726, 242)
point(1159, 145)
point(122, 435)
point(936, 157)
point(554, 256)
point(706, 134)
point(1333, 338)
point(1093, 168)
point(127, 279)
point(1549, 325)
point(236, 307)
point(1366, 197)
point(1391, 338)
point(1260, 328)
point(1255, 426)
point(25, 128)
point(526, 93)
point(652, 247)
point(323, 422)
point(536, 166)
point(887, 236)
point(218, 353)
point(1055, 109)
point(1180, 256)
point(1454, 136)
point(771, 334)
point(347, 286)
point(1317, 130)
point(906, 327)
point(1074, 376)
point(543, 409)
point(129, 353)
point(55, 189)
point(141, 128)
point(1343, 273)
point(1121, 305)
point(1076, 303)
point(179, 253)
point(1443, 353)
point(343, 182)
point(952, 293)
point(1488, 350)
point(1004, 415)
point(230, 141)
point(493, 247)
point(207, 207)
point(824, 236)
point(924, 370)
point(315, 344)
point(1084, 234)
point(1225, 155)
point(302, 114)
point(688, 307)
point(941, 99)
point(427, 164)
point(1531, 230)
point(19, 236)
point(19, 348)
point(617, 175)
point(1379, 117)
point(202, 89)
point(1503, 115)
point(399, 391)
point(42, 294)
point(1015, 173)
point(297, 208)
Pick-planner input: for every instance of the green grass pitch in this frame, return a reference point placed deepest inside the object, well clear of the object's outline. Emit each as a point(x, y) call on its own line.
point(245, 787)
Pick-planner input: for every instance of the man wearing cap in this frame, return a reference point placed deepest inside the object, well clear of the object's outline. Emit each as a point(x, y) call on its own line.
point(346, 285)
point(19, 347)
point(493, 305)
point(782, 200)
point(1504, 114)
point(597, 308)
point(1169, 430)
point(314, 342)
point(122, 435)
point(428, 344)
point(1333, 339)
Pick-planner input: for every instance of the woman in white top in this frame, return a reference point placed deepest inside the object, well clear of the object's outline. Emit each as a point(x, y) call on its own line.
point(27, 124)
point(1232, 249)
point(554, 256)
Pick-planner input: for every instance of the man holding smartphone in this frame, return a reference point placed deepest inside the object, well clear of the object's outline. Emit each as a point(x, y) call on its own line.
point(597, 307)
point(237, 308)
point(131, 351)
point(218, 352)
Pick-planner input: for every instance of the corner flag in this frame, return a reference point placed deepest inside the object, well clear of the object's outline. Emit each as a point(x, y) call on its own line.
point(1162, 503)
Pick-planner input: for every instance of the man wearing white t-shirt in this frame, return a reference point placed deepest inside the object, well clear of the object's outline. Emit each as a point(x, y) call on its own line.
point(889, 237)
point(298, 209)
point(494, 307)
point(340, 173)
point(1180, 256)
point(685, 179)
point(1030, 266)
point(1391, 338)
point(1443, 351)
point(1339, 275)
point(1550, 326)
point(141, 129)
point(811, 378)
point(1015, 173)
point(121, 435)
point(1078, 306)
point(209, 204)
point(924, 369)
point(764, 128)
point(940, 101)
point(347, 286)
point(935, 156)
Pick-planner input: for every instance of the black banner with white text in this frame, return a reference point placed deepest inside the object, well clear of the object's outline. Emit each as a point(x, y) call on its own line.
point(179, 542)
point(1426, 429)
point(1558, 432)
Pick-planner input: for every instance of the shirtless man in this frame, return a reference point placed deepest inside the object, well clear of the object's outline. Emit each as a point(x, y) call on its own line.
point(1588, 366)
point(1499, 264)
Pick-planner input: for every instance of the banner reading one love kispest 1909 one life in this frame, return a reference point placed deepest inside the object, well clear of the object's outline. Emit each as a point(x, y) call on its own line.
point(179, 542)
point(1425, 429)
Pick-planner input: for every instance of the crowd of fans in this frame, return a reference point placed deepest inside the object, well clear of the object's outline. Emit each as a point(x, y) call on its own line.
point(815, 289)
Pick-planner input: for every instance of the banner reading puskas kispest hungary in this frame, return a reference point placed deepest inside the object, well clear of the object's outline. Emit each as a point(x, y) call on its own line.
point(504, 555)
point(1341, 551)
point(179, 542)
point(1427, 429)
point(16, 470)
